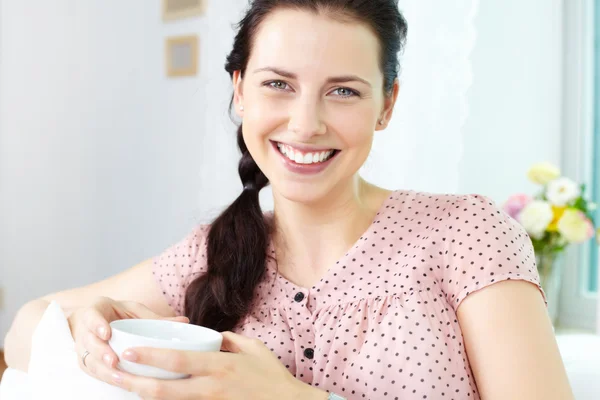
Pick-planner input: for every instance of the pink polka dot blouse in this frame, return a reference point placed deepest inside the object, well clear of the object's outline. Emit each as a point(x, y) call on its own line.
point(381, 323)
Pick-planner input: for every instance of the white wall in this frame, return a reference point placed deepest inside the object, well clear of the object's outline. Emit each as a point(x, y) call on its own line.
point(104, 162)
point(515, 100)
point(100, 154)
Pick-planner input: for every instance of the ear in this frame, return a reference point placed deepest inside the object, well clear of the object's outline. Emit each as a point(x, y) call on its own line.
point(388, 107)
point(238, 95)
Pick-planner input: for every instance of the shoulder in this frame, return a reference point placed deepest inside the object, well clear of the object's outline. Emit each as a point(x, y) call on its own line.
point(452, 211)
point(180, 264)
point(479, 245)
point(471, 223)
point(480, 215)
point(185, 258)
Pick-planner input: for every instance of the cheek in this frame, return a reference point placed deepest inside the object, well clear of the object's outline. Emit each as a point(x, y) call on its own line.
point(263, 115)
point(266, 104)
point(355, 128)
point(256, 132)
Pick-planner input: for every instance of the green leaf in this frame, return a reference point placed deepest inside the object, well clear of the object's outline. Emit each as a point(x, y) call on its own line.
point(581, 204)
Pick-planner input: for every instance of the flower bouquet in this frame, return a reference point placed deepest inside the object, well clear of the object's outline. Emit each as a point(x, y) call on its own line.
point(557, 216)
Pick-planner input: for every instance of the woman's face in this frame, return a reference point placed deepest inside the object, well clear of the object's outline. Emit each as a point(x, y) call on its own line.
point(312, 97)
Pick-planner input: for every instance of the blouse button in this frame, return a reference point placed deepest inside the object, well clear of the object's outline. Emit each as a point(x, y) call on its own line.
point(309, 353)
point(299, 297)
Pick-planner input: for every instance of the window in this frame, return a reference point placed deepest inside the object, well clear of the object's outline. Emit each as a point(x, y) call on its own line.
point(595, 187)
point(581, 154)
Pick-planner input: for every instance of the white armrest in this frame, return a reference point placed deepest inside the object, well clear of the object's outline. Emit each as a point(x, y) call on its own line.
point(15, 385)
point(54, 371)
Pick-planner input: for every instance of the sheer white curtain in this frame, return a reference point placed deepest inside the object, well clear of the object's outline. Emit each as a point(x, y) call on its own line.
point(422, 147)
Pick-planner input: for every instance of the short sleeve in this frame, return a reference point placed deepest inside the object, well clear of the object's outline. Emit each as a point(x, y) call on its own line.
point(179, 265)
point(484, 246)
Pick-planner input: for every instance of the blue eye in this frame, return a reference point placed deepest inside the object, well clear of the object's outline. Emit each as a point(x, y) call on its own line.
point(346, 92)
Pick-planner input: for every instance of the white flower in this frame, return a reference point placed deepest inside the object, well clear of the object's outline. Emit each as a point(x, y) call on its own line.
point(542, 173)
point(562, 191)
point(536, 217)
point(575, 226)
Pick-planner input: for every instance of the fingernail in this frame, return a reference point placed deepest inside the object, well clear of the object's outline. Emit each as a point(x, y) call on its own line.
point(102, 332)
point(107, 359)
point(129, 355)
point(118, 378)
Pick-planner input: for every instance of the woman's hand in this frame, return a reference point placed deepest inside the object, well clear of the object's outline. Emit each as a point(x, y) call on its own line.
point(248, 370)
point(91, 331)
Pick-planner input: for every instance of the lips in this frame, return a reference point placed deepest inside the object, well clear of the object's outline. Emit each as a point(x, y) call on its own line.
point(305, 160)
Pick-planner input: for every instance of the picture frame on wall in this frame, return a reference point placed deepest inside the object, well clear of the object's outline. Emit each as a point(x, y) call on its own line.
point(181, 56)
point(180, 9)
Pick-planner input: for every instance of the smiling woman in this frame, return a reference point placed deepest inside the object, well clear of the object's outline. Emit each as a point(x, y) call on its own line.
point(345, 289)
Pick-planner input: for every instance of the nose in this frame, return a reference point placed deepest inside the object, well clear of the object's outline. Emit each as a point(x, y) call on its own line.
point(305, 119)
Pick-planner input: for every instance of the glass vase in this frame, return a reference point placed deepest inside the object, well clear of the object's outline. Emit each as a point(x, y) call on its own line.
point(549, 269)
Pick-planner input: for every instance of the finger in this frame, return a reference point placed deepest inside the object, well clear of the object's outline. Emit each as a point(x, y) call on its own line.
point(96, 320)
point(186, 362)
point(181, 389)
point(182, 319)
point(94, 366)
point(235, 343)
point(99, 349)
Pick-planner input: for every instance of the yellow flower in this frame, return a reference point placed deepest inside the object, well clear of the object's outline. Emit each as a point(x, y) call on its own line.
point(575, 227)
point(542, 173)
point(558, 213)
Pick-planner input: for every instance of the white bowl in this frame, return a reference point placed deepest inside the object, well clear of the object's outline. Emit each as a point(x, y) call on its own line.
point(130, 333)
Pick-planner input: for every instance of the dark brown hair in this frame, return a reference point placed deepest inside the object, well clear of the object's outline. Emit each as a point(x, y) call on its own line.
point(238, 239)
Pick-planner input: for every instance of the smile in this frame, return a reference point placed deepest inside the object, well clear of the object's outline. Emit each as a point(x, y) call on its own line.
point(304, 157)
point(305, 161)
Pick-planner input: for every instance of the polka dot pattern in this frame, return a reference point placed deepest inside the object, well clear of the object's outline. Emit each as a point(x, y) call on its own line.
point(381, 323)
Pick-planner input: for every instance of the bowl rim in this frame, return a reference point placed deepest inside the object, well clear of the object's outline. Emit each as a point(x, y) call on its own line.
point(114, 326)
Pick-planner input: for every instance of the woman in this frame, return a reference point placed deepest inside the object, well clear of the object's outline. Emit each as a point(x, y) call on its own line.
point(346, 290)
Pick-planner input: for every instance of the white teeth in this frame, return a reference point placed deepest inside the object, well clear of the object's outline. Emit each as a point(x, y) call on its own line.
point(299, 158)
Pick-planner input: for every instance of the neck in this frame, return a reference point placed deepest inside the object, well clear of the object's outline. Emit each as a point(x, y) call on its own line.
point(310, 237)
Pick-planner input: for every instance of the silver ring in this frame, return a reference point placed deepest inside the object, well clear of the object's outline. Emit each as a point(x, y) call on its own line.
point(85, 354)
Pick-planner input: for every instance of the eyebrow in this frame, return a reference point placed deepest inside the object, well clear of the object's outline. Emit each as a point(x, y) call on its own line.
point(333, 79)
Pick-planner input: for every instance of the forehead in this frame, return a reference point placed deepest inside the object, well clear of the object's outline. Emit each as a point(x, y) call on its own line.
point(312, 44)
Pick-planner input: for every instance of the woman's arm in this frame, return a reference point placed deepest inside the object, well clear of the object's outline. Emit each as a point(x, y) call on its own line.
point(135, 284)
point(510, 344)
